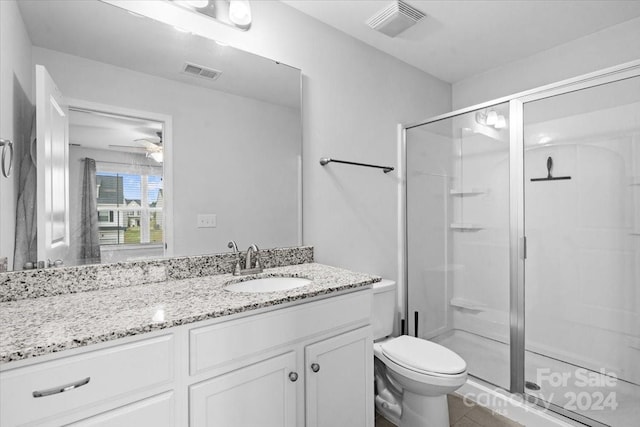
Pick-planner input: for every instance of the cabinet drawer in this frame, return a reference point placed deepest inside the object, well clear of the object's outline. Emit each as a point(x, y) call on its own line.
point(213, 346)
point(155, 411)
point(98, 376)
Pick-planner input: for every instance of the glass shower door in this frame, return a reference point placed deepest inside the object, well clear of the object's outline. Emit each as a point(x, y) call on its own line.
point(458, 238)
point(582, 276)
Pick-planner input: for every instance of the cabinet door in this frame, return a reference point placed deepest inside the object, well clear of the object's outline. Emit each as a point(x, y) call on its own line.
point(339, 381)
point(262, 394)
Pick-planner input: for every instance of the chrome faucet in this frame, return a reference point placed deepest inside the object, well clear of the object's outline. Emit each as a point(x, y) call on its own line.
point(258, 268)
point(253, 249)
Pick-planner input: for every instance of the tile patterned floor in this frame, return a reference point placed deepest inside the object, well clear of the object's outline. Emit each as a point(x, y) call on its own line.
point(463, 415)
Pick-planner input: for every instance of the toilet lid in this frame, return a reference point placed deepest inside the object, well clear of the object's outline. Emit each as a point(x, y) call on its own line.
point(423, 356)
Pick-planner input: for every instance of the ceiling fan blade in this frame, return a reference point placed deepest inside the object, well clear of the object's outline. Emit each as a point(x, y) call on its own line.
point(129, 147)
point(149, 148)
point(149, 144)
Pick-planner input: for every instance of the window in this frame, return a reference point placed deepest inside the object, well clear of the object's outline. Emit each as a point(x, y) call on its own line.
point(130, 205)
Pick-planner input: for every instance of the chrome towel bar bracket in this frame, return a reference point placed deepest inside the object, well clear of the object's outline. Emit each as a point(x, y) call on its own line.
point(6, 145)
point(326, 160)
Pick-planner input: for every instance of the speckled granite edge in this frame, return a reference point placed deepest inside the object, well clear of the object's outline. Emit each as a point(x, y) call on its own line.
point(62, 322)
point(19, 285)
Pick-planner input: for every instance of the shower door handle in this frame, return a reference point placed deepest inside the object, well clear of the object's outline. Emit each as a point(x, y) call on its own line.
point(524, 247)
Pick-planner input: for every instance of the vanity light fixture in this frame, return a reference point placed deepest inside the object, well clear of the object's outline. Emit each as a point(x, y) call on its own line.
point(491, 118)
point(196, 3)
point(501, 122)
point(240, 13)
point(235, 13)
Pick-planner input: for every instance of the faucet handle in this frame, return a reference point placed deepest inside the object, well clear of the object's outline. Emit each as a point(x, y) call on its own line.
point(232, 245)
point(237, 268)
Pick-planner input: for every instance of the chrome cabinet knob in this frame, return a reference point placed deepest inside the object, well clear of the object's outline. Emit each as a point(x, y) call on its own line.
point(293, 376)
point(315, 367)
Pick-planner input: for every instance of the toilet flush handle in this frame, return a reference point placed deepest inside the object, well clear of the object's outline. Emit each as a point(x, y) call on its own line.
point(315, 367)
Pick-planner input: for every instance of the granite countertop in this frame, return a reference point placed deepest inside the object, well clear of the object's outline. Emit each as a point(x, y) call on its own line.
point(39, 326)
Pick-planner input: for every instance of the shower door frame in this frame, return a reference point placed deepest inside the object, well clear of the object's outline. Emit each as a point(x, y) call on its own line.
point(517, 237)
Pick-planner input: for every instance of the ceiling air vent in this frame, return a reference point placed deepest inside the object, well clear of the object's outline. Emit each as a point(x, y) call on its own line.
point(200, 71)
point(395, 18)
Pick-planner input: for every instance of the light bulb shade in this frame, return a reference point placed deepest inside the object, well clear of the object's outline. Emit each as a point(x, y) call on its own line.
point(501, 122)
point(240, 13)
point(492, 118)
point(157, 156)
point(197, 3)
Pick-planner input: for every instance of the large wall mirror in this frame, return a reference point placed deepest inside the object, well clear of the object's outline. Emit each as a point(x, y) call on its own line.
point(172, 145)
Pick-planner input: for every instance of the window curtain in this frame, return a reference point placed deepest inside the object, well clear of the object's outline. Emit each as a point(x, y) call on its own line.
point(90, 237)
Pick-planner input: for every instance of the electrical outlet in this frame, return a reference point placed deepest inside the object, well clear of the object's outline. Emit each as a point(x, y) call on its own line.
point(206, 220)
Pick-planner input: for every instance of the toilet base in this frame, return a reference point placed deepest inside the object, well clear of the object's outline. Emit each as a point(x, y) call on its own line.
point(424, 411)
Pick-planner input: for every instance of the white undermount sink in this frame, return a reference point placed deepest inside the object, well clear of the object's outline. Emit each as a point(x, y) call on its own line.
point(268, 284)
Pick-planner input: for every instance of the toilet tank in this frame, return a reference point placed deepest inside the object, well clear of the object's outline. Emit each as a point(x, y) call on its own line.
point(384, 308)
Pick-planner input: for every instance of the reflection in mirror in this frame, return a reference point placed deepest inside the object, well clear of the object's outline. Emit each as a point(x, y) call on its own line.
point(177, 126)
point(123, 186)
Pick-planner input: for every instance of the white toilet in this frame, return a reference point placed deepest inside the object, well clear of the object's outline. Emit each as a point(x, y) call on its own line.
point(413, 376)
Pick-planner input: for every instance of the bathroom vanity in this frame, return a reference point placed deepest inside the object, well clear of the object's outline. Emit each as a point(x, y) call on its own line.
point(188, 352)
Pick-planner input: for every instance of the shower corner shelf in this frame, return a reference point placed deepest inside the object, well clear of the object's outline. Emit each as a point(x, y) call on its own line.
point(465, 227)
point(467, 193)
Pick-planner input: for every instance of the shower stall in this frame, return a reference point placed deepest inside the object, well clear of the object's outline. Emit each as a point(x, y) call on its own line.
point(522, 243)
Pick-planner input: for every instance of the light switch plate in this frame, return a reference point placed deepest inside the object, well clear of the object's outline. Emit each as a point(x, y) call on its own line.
point(206, 220)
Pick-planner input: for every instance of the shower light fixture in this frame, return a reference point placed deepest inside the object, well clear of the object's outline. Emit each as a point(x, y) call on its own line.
point(500, 123)
point(235, 13)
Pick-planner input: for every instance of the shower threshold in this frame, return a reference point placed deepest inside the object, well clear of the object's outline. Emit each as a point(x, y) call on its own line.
point(606, 401)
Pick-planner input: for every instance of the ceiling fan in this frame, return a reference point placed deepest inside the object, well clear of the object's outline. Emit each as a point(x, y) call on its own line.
point(152, 147)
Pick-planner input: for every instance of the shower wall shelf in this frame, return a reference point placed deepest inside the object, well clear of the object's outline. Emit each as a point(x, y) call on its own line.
point(467, 193)
point(465, 227)
point(467, 304)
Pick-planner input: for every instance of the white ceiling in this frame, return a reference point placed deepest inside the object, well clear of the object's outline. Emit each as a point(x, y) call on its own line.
point(110, 132)
point(459, 39)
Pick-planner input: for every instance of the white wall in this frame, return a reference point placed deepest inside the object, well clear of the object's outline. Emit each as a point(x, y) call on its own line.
point(606, 48)
point(215, 159)
point(353, 98)
point(15, 112)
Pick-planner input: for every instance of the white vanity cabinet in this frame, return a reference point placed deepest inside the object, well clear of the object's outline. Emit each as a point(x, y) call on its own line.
point(335, 390)
point(307, 364)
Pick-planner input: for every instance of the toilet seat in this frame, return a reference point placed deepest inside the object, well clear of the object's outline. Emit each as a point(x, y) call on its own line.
point(422, 356)
point(424, 378)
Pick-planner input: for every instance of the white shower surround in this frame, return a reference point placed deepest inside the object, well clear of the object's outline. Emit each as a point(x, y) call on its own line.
point(597, 327)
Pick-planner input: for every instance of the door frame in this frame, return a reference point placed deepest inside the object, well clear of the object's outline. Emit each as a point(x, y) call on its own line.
point(517, 238)
point(167, 143)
